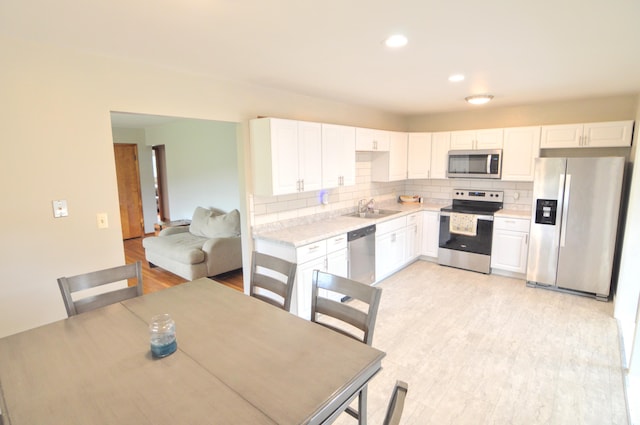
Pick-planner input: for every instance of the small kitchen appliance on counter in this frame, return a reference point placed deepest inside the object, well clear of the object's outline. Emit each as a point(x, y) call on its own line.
point(574, 224)
point(466, 229)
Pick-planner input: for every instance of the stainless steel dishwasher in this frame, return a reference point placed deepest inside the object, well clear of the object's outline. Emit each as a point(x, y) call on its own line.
point(362, 254)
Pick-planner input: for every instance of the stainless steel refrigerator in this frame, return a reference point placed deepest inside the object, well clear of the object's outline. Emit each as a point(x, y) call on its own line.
point(574, 222)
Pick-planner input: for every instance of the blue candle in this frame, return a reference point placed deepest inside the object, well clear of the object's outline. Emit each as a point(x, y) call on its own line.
point(162, 330)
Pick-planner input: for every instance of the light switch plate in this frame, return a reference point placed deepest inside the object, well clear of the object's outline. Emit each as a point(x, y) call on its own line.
point(103, 221)
point(60, 208)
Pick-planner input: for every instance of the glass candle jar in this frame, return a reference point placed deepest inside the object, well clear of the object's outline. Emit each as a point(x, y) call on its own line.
point(162, 331)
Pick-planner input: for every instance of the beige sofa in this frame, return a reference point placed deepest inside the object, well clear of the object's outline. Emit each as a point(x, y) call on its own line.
point(209, 246)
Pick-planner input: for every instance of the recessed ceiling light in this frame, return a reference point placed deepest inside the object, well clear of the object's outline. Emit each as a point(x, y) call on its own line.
point(397, 40)
point(479, 99)
point(456, 78)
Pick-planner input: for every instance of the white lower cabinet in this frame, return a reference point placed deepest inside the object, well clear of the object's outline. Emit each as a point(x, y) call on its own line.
point(414, 237)
point(510, 244)
point(301, 301)
point(391, 243)
point(327, 255)
point(337, 263)
point(430, 233)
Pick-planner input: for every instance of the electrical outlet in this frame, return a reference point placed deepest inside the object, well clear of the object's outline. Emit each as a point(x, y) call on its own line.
point(103, 221)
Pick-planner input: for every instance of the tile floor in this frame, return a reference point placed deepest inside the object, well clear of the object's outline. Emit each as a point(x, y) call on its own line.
point(485, 349)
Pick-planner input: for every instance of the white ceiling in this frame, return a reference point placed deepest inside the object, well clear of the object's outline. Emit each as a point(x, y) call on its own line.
point(521, 52)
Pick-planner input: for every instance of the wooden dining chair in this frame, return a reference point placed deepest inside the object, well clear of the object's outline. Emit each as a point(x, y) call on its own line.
point(396, 403)
point(272, 280)
point(355, 321)
point(70, 285)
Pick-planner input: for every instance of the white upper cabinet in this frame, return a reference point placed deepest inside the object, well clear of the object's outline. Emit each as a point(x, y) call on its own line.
point(368, 139)
point(439, 154)
point(520, 150)
point(589, 135)
point(286, 156)
point(309, 150)
point(419, 156)
point(392, 165)
point(561, 136)
point(398, 155)
point(476, 139)
point(338, 155)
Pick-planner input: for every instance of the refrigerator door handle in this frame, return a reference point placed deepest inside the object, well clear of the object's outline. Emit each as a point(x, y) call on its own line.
point(565, 210)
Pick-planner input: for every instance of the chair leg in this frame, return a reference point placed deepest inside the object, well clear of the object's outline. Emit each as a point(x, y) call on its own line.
point(361, 413)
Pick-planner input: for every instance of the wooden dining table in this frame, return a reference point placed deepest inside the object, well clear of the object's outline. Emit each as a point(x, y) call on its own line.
point(239, 361)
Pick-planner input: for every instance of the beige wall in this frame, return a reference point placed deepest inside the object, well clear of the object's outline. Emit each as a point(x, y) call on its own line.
point(613, 108)
point(202, 164)
point(56, 143)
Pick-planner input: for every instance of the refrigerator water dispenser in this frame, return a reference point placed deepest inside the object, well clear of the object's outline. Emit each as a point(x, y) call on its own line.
point(546, 211)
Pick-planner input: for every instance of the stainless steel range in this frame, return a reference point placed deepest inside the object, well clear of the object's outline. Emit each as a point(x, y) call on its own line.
point(466, 229)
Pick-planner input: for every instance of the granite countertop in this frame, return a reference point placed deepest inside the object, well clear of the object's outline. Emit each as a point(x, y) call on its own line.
point(327, 228)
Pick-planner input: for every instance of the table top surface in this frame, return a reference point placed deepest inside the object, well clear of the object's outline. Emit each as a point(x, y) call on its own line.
point(239, 360)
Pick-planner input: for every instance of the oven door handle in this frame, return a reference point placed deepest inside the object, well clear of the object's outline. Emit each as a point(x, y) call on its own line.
point(480, 217)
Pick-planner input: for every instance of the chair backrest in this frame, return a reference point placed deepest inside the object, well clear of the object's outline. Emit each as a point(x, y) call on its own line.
point(70, 285)
point(272, 280)
point(396, 403)
point(346, 318)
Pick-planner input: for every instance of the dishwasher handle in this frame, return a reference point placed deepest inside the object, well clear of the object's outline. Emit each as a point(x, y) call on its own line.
point(361, 233)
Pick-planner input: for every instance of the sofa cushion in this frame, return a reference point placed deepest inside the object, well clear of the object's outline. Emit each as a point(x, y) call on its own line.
point(185, 247)
point(210, 224)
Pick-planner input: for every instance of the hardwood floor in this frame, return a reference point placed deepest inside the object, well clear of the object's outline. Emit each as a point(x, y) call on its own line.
point(156, 279)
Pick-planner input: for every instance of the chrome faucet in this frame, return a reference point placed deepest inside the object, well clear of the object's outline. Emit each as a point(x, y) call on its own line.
point(366, 206)
point(362, 205)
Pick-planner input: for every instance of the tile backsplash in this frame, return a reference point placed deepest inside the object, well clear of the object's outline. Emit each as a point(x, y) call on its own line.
point(273, 212)
point(517, 195)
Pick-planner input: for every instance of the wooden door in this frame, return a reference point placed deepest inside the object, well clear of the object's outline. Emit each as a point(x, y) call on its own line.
point(129, 192)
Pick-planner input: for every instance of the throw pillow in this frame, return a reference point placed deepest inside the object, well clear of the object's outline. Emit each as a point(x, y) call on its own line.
point(199, 221)
point(207, 223)
point(223, 226)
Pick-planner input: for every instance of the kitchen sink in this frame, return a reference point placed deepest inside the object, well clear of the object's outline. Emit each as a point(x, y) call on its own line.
point(373, 214)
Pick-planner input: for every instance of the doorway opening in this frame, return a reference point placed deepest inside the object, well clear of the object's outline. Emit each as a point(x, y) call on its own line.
point(159, 161)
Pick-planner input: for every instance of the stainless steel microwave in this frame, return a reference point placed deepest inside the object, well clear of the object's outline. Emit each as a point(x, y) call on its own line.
point(477, 164)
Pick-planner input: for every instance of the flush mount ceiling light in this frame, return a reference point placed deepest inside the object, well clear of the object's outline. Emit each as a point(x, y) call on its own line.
point(396, 40)
point(479, 99)
point(456, 78)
